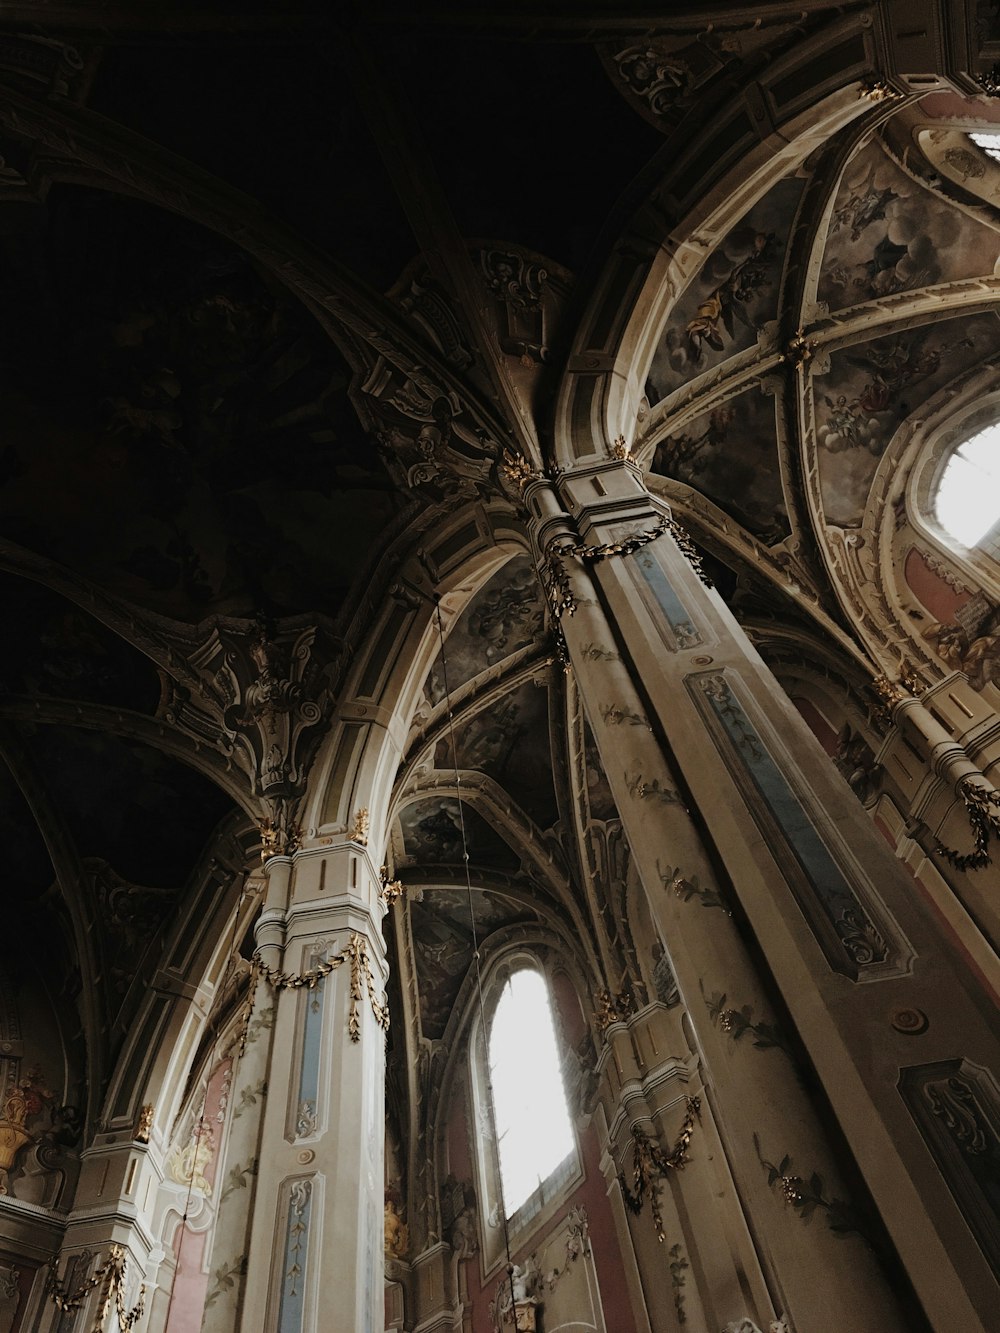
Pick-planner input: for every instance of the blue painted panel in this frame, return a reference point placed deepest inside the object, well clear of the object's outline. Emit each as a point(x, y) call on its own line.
point(855, 937)
point(307, 1106)
point(678, 617)
point(291, 1308)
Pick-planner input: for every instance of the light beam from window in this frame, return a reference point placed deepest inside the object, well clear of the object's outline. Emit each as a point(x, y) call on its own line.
point(534, 1132)
point(968, 496)
point(989, 143)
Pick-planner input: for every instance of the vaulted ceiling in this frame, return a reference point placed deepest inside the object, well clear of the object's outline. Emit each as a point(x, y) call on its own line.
point(278, 290)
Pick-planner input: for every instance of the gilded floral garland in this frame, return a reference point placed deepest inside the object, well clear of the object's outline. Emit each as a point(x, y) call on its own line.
point(356, 954)
point(983, 807)
point(112, 1275)
point(650, 1164)
point(556, 582)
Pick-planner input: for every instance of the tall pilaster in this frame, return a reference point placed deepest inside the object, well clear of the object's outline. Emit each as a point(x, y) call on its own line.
point(316, 1230)
point(237, 1184)
point(768, 881)
point(651, 1093)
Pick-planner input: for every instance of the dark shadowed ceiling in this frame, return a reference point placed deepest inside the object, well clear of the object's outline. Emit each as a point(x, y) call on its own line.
point(278, 285)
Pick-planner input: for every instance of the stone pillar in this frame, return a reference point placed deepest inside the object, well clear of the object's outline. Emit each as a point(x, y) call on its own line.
point(648, 1082)
point(118, 1175)
point(236, 1180)
point(945, 738)
point(773, 890)
point(316, 1241)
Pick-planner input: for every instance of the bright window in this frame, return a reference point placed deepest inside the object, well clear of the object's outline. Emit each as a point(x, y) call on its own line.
point(968, 496)
point(533, 1126)
point(989, 143)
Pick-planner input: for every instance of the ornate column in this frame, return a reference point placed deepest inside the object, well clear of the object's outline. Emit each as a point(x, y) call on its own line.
point(655, 1117)
point(773, 891)
point(939, 764)
point(316, 1237)
point(237, 1182)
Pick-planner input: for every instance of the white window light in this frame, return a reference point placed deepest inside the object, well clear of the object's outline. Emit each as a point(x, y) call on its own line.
point(989, 143)
point(967, 503)
point(534, 1132)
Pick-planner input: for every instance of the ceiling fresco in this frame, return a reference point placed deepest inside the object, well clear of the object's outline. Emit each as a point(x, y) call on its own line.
point(890, 233)
point(180, 431)
point(124, 799)
point(443, 942)
point(869, 391)
point(731, 455)
point(66, 654)
point(432, 836)
point(732, 297)
point(506, 614)
point(201, 449)
point(510, 742)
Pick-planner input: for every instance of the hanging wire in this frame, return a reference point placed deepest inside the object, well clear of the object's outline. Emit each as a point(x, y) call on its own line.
point(199, 1126)
point(475, 956)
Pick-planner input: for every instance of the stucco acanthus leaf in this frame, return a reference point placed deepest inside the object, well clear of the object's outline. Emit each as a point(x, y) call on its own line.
point(265, 691)
point(427, 437)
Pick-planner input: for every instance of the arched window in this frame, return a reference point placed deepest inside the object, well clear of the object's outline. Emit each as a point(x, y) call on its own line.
point(535, 1139)
point(967, 500)
point(989, 143)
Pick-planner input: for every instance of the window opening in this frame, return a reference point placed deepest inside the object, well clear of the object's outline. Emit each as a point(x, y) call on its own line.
point(989, 143)
point(533, 1127)
point(967, 503)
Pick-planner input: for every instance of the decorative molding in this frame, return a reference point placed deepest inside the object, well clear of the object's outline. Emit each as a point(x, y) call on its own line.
point(356, 953)
point(642, 790)
point(678, 1267)
point(620, 451)
point(674, 881)
point(512, 278)
point(362, 822)
point(110, 1275)
point(144, 1124)
point(391, 890)
point(612, 1007)
point(291, 1301)
point(982, 805)
point(262, 700)
point(736, 1023)
point(650, 1164)
point(956, 1106)
point(804, 1197)
point(942, 568)
point(799, 350)
point(517, 470)
point(851, 925)
point(879, 90)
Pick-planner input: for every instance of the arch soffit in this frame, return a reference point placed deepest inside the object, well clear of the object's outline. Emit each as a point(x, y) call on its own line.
point(197, 962)
point(478, 695)
point(866, 563)
point(157, 733)
point(844, 328)
point(605, 383)
point(834, 697)
point(829, 333)
point(488, 539)
point(527, 942)
point(488, 798)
